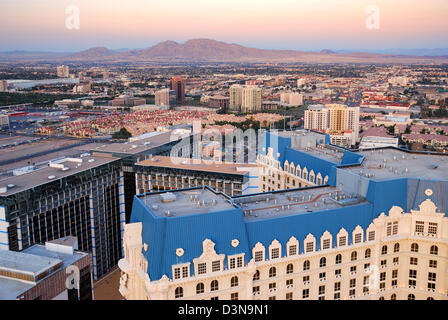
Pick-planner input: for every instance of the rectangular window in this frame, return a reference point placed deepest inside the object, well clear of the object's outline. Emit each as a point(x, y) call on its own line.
point(383, 262)
point(289, 282)
point(394, 273)
point(432, 228)
point(371, 236)
point(389, 229)
point(256, 289)
point(337, 296)
point(275, 253)
point(185, 272)
point(352, 283)
point(305, 293)
point(432, 276)
point(176, 273)
point(394, 283)
point(352, 292)
point(232, 263)
point(433, 263)
point(306, 278)
point(342, 241)
point(289, 296)
point(358, 238)
point(272, 285)
point(202, 268)
point(337, 286)
point(395, 260)
point(258, 256)
point(337, 272)
point(292, 250)
point(353, 269)
point(395, 228)
point(216, 266)
point(234, 296)
point(413, 261)
point(413, 274)
point(366, 280)
point(309, 247)
point(321, 290)
point(419, 227)
point(272, 298)
point(239, 262)
point(382, 276)
point(322, 275)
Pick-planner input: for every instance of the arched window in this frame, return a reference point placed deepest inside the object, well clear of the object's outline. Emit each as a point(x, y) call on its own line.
point(367, 254)
point(430, 298)
point(384, 250)
point(289, 268)
point(393, 297)
point(200, 288)
point(272, 272)
point(381, 298)
point(257, 275)
point(396, 247)
point(434, 250)
point(179, 292)
point(354, 255)
point(338, 259)
point(323, 262)
point(411, 297)
point(214, 285)
point(414, 247)
point(306, 265)
point(234, 281)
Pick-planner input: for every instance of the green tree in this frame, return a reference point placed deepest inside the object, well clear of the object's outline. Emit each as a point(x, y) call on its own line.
point(122, 134)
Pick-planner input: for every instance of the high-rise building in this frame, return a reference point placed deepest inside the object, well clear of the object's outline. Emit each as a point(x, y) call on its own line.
point(3, 85)
point(178, 85)
point(236, 97)
point(245, 98)
point(165, 97)
point(251, 100)
point(340, 121)
point(63, 71)
point(291, 98)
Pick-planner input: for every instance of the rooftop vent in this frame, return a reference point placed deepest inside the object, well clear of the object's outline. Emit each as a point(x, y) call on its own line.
point(65, 169)
point(168, 197)
point(91, 160)
point(51, 177)
point(11, 185)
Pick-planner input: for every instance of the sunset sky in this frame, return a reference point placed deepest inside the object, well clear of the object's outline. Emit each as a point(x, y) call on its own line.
point(270, 24)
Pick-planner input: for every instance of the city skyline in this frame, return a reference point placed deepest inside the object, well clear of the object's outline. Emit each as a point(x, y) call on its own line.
point(41, 25)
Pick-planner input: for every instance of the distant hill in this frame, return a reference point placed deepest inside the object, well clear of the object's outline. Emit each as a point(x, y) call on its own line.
point(208, 50)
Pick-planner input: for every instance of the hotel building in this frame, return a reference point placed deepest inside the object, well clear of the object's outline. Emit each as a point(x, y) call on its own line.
point(376, 230)
point(340, 121)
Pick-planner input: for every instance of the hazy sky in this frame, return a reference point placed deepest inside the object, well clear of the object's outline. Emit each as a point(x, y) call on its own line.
point(276, 24)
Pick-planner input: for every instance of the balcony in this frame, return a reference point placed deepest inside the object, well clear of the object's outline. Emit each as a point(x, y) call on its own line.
point(323, 279)
point(338, 276)
point(256, 293)
point(290, 286)
point(272, 290)
point(306, 283)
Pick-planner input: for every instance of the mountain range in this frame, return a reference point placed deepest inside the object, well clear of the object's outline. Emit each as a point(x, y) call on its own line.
point(207, 50)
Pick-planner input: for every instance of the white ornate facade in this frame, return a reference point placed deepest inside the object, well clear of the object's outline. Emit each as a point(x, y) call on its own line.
point(273, 177)
point(399, 256)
